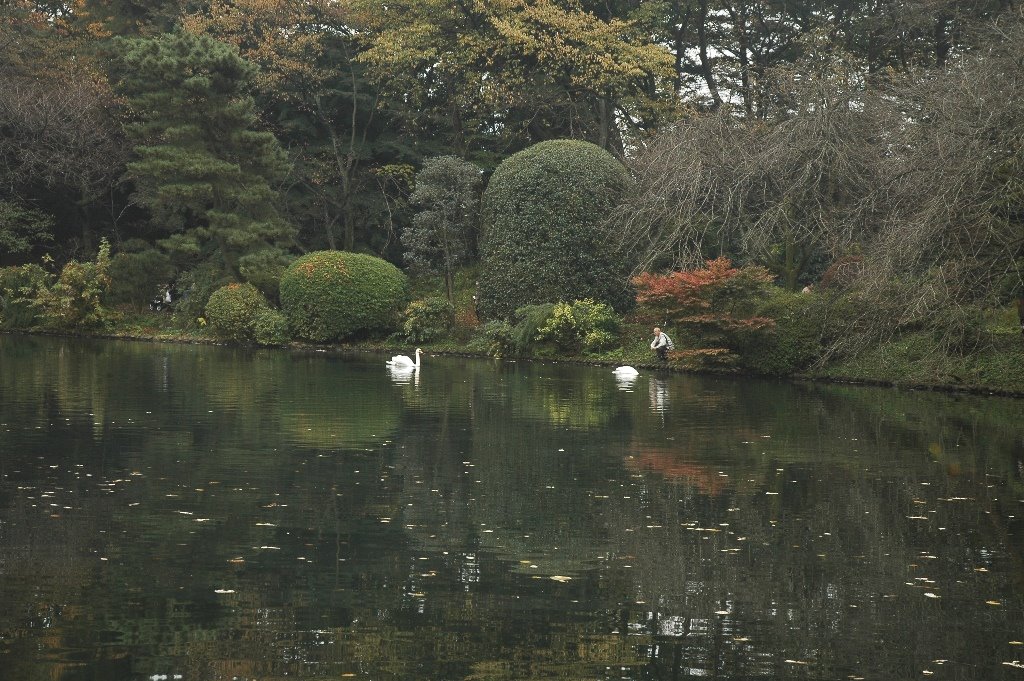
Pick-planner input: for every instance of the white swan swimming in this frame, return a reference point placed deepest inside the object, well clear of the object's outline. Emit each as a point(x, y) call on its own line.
point(403, 361)
point(625, 372)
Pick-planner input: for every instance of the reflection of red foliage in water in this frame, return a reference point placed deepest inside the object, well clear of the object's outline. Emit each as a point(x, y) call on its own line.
point(672, 466)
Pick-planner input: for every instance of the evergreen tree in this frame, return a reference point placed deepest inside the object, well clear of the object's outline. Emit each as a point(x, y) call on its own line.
point(441, 234)
point(202, 169)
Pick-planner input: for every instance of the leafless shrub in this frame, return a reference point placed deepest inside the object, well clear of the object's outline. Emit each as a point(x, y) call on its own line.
point(773, 190)
point(919, 176)
point(59, 132)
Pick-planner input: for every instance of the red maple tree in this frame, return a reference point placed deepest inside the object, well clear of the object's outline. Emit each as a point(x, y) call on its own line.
point(714, 304)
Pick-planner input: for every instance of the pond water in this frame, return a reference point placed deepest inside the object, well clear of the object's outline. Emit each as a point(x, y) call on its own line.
point(187, 512)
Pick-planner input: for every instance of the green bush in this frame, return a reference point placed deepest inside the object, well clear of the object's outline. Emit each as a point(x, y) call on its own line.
point(542, 235)
point(138, 277)
point(196, 286)
point(271, 327)
point(793, 343)
point(428, 319)
point(329, 295)
point(582, 325)
point(497, 337)
point(74, 302)
point(20, 289)
point(529, 319)
point(233, 309)
point(517, 338)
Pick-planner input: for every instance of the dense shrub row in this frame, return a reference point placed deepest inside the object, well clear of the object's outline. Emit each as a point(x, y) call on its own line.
point(326, 296)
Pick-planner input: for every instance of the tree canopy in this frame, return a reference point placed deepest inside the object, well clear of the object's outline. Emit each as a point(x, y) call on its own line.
point(233, 136)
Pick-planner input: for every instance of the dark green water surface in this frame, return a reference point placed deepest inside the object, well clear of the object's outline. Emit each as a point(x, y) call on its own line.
point(183, 512)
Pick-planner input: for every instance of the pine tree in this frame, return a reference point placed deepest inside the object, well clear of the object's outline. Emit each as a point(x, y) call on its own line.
point(202, 169)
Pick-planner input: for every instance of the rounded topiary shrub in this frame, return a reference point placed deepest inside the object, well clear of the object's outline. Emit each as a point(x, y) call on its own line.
point(543, 238)
point(232, 311)
point(270, 328)
point(329, 295)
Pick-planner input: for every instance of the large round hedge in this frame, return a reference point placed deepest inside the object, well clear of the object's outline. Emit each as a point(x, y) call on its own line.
point(328, 295)
point(543, 239)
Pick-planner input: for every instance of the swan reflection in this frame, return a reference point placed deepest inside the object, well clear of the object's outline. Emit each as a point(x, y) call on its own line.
point(404, 375)
point(625, 382)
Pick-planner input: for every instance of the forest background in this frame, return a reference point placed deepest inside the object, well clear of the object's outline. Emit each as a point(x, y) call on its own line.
point(870, 149)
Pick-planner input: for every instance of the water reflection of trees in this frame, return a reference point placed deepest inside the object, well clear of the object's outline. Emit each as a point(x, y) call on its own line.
point(740, 531)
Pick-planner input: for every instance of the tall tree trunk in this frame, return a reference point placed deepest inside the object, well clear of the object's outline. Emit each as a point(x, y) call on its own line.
point(678, 24)
point(705, 62)
point(604, 110)
point(743, 51)
point(349, 224)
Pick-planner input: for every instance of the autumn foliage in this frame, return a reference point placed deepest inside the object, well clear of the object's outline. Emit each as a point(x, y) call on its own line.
point(713, 306)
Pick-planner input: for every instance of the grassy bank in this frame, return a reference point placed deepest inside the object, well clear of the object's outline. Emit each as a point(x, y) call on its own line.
point(914, 360)
point(793, 345)
point(911, 361)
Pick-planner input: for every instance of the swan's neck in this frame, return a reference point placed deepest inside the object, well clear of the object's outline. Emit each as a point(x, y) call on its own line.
point(417, 363)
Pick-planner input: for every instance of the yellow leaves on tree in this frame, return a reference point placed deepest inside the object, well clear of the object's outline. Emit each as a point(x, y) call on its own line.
point(489, 54)
point(285, 38)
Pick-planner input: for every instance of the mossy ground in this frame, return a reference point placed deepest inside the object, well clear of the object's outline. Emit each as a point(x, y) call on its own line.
point(917, 360)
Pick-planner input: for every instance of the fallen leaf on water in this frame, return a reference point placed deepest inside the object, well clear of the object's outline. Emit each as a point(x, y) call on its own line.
point(1017, 643)
point(1015, 663)
point(993, 603)
point(929, 594)
point(223, 591)
point(796, 662)
point(560, 578)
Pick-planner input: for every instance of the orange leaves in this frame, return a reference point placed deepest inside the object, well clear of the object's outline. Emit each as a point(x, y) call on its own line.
point(686, 290)
point(714, 304)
